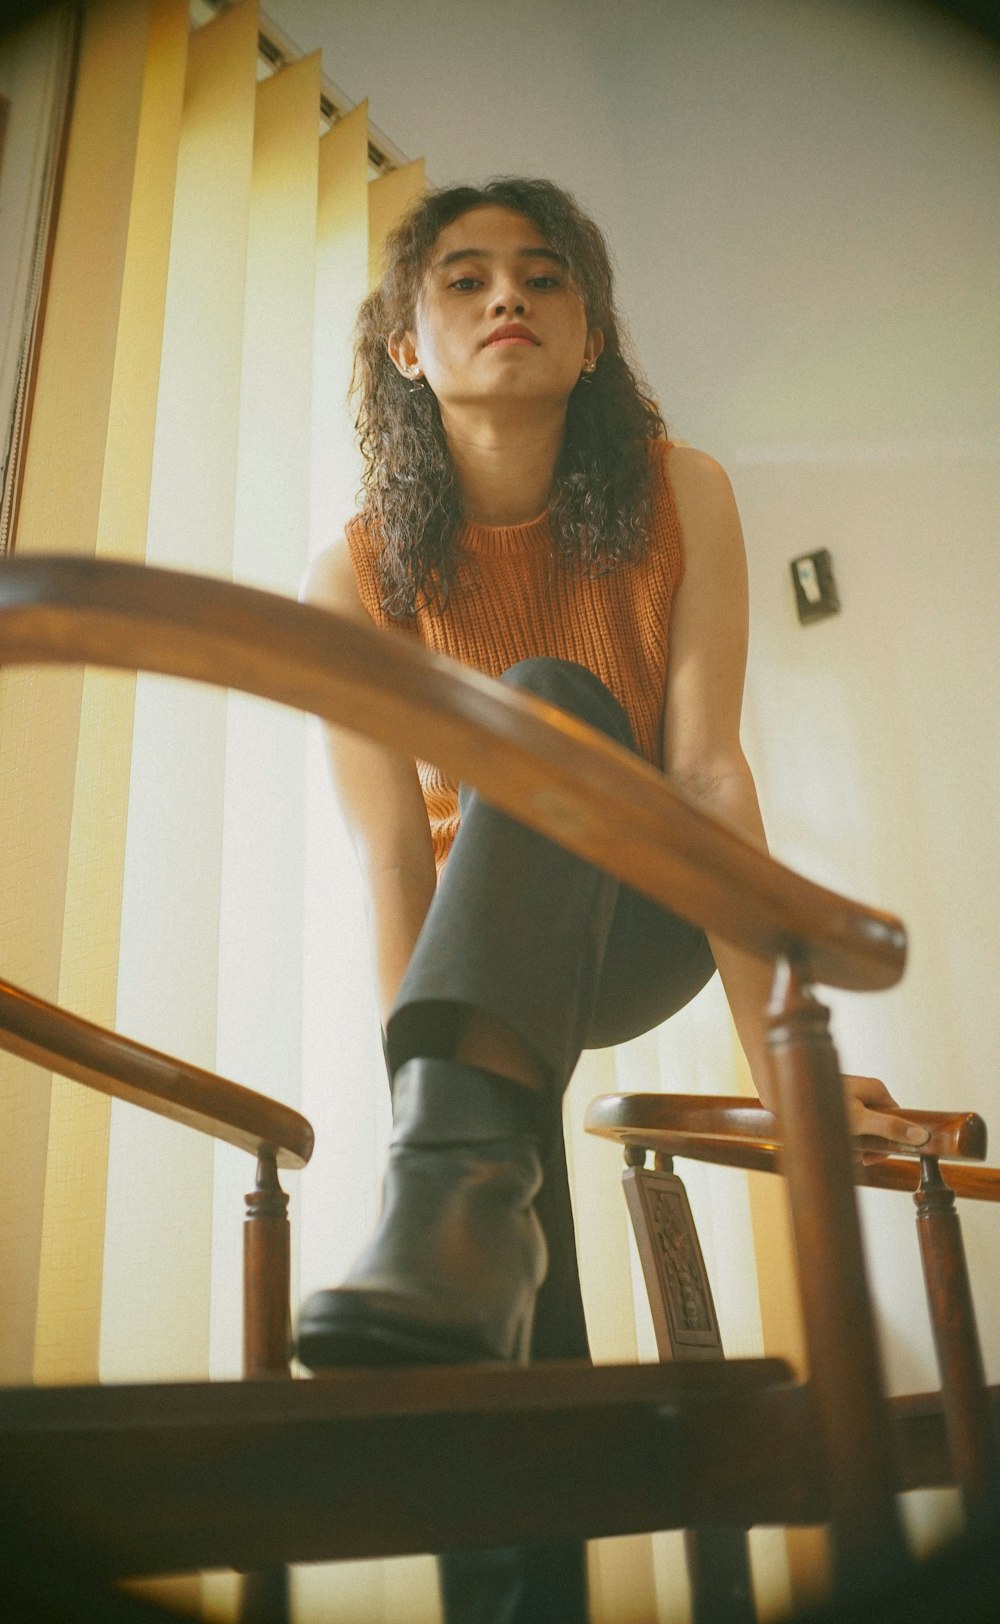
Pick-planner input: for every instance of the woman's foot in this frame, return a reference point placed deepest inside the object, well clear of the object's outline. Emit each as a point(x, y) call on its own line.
point(452, 1272)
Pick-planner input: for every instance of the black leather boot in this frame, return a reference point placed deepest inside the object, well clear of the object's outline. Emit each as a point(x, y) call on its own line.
point(456, 1261)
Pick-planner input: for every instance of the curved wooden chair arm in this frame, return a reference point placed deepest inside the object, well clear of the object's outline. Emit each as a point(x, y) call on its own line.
point(736, 1132)
point(58, 1041)
point(530, 759)
point(651, 1120)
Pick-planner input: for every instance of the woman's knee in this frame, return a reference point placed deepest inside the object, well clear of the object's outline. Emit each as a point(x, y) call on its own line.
point(573, 688)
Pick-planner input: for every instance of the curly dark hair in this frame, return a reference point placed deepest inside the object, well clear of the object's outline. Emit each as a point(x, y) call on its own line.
point(600, 504)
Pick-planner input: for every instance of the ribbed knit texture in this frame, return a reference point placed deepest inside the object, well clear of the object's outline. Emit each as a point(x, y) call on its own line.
point(513, 599)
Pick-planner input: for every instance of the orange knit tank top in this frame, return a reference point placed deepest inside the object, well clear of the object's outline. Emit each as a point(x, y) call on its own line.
point(512, 599)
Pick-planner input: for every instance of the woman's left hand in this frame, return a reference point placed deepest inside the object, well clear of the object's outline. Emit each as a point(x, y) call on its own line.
point(873, 1113)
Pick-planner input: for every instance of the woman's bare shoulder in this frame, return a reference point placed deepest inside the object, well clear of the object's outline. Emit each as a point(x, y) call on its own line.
point(330, 580)
point(702, 493)
point(694, 471)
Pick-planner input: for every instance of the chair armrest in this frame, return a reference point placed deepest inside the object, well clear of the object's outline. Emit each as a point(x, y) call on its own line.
point(677, 1124)
point(528, 758)
point(58, 1041)
point(971, 1183)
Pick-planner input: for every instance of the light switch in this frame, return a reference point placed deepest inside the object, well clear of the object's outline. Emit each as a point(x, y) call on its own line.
point(815, 588)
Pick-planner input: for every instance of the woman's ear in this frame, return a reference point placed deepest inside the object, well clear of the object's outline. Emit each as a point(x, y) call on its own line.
point(403, 353)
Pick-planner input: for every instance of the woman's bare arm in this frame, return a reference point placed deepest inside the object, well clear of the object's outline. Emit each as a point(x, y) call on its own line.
point(701, 739)
point(383, 807)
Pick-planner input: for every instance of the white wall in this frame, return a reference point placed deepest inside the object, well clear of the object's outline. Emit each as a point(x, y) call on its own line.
point(786, 184)
point(803, 199)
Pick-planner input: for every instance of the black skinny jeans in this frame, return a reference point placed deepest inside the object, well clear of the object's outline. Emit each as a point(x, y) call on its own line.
point(570, 959)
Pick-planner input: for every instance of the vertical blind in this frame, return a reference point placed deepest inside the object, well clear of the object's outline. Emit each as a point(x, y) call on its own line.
point(174, 864)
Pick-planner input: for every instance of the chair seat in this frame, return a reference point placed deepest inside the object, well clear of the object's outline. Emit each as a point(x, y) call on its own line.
point(170, 1478)
point(162, 1478)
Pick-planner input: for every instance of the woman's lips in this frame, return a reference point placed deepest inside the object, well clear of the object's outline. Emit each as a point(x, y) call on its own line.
point(511, 335)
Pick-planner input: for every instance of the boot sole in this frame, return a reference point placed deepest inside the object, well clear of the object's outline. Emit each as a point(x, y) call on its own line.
point(365, 1342)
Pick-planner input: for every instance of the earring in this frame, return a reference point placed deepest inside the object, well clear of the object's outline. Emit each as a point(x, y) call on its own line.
point(587, 375)
point(417, 376)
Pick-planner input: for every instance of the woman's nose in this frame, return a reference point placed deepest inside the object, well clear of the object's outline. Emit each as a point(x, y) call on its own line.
point(509, 302)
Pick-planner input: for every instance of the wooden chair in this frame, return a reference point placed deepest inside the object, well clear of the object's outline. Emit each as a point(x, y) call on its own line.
point(255, 1474)
point(736, 1132)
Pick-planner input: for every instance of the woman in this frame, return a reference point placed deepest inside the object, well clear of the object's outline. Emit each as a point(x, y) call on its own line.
point(526, 514)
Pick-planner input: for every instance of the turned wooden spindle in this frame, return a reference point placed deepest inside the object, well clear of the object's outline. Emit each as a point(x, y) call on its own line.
point(265, 1595)
point(266, 1275)
point(956, 1340)
point(844, 1365)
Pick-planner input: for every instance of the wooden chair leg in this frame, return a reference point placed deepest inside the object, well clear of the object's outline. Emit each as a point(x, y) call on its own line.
point(686, 1327)
point(844, 1364)
point(718, 1566)
point(967, 1410)
point(265, 1597)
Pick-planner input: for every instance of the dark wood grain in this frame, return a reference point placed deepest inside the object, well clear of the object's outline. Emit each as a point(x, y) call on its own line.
point(58, 1041)
point(845, 1372)
point(685, 1323)
point(267, 1333)
point(903, 1173)
point(166, 1479)
point(528, 758)
point(764, 1156)
point(736, 1133)
point(956, 1339)
point(920, 1439)
point(666, 1121)
point(161, 1479)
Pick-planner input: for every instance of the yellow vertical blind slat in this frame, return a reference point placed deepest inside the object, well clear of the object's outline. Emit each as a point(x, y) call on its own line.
point(341, 284)
point(64, 460)
point(132, 418)
point(72, 1252)
point(39, 723)
point(272, 522)
point(193, 496)
point(389, 197)
point(344, 1090)
point(262, 881)
point(158, 1244)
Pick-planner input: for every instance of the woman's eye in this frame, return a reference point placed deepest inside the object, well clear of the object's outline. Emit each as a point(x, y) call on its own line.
point(465, 284)
point(544, 282)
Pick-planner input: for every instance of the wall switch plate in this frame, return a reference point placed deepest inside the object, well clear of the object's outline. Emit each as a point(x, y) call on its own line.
point(815, 588)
